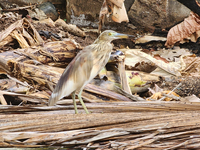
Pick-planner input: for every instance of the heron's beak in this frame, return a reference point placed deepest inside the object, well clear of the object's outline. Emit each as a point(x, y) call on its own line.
point(123, 36)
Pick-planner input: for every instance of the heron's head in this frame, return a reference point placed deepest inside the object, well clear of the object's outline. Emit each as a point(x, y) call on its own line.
point(109, 35)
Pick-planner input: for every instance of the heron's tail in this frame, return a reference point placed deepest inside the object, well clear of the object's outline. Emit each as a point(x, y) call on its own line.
point(53, 99)
point(62, 89)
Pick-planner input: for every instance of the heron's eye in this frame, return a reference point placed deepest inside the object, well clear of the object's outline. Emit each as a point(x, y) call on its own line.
point(109, 34)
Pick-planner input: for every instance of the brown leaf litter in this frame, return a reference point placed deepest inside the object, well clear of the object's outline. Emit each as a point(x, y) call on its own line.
point(115, 122)
point(189, 29)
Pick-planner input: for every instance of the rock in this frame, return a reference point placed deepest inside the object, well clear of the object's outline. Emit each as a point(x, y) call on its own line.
point(128, 4)
point(157, 13)
point(86, 12)
point(83, 11)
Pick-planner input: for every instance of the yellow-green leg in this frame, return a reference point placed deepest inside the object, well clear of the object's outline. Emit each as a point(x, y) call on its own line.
point(83, 104)
point(74, 101)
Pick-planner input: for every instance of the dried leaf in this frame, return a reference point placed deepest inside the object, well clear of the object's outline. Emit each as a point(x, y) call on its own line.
point(118, 3)
point(102, 14)
point(149, 38)
point(118, 12)
point(173, 54)
point(184, 30)
point(173, 68)
point(135, 62)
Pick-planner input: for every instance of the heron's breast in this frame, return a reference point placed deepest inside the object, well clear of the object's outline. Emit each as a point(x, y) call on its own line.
point(99, 63)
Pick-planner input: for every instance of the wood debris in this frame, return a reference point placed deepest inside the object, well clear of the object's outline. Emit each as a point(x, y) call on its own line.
point(24, 32)
point(128, 125)
point(31, 65)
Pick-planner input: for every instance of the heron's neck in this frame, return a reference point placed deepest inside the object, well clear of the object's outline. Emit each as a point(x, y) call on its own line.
point(100, 45)
point(99, 41)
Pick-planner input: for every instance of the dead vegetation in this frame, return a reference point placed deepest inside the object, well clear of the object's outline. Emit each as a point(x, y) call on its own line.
point(163, 115)
point(127, 125)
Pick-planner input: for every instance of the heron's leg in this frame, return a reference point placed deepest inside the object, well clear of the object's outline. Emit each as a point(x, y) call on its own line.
point(81, 100)
point(74, 101)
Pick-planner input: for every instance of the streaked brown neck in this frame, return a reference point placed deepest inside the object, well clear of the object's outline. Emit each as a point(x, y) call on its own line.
point(101, 41)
